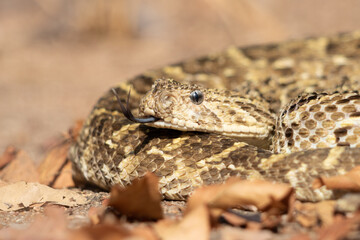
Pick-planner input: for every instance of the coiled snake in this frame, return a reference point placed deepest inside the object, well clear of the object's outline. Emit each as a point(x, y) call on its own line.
point(297, 98)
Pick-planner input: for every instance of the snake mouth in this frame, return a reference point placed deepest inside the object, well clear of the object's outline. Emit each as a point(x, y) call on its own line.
point(127, 112)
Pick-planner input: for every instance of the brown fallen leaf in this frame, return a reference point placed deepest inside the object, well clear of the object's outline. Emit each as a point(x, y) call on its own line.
point(305, 214)
point(53, 163)
point(139, 200)
point(325, 211)
point(55, 169)
point(112, 232)
point(8, 155)
point(349, 181)
point(19, 195)
point(269, 220)
point(101, 215)
point(310, 214)
point(340, 227)
point(51, 225)
point(95, 214)
point(195, 225)
point(239, 193)
point(65, 180)
point(21, 168)
point(261, 194)
point(301, 236)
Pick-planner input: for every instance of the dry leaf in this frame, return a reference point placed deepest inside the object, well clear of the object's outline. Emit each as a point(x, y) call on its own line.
point(238, 193)
point(325, 211)
point(55, 170)
point(305, 214)
point(8, 155)
point(55, 160)
point(101, 231)
point(21, 168)
point(269, 220)
point(112, 232)
point(195, 225)
point(65, 180)
point(349, 181)
point(21, 194)
point(309, 214)
point(95, 214)
point(301, 236)
point(140, 200)
point(339, 228)
point(261, 194)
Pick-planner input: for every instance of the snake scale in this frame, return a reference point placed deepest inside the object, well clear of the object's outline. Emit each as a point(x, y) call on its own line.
point(298, 98)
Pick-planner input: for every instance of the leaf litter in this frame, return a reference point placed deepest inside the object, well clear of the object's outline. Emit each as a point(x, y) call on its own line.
point(141, 199)
point(349, 181)
point(21, 195)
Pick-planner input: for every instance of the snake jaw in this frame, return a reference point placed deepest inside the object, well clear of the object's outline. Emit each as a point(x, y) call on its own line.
point(127, 112)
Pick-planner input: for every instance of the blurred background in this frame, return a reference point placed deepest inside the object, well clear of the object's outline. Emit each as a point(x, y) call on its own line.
point(58, 56)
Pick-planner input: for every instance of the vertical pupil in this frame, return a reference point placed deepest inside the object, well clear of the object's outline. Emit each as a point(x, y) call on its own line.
point(196, 96)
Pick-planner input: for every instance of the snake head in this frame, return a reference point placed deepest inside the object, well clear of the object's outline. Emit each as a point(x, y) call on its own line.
point(127, 112)
point(188, 107)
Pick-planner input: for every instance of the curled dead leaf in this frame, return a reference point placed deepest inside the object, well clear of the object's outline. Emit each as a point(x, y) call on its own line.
point(139, 200)
point(239, 193)
point(340, 227)
point(64, 179)
point(20, 168)
point(261, 194)
point(21, 194)
point(349, 181)
point(195, 225)
point(311, 214)
point(113, 232)
point(95, 214)
point(325, 211)
point(8, 155)
point(55, 170)
point(305, 214)
point(51, 167)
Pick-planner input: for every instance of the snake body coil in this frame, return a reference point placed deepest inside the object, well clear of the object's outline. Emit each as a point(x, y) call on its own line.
point(267, 99)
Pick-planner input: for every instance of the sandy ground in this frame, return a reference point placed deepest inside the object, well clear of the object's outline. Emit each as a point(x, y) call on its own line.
point(57, 57)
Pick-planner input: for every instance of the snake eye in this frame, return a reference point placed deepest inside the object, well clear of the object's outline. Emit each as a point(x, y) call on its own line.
point(197, 97)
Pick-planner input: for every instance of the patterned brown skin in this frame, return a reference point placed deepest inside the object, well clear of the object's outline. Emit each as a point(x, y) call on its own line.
point(322, 120)
point(111, 149)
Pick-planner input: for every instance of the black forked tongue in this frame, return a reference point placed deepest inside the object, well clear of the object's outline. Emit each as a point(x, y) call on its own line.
point(126, 110)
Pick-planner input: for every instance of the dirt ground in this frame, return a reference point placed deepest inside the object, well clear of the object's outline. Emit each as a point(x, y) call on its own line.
point(57, 57)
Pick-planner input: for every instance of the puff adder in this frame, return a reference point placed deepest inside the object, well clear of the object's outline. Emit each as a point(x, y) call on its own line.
point(285, 112)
